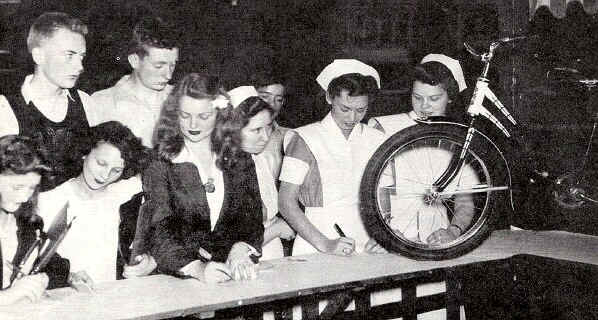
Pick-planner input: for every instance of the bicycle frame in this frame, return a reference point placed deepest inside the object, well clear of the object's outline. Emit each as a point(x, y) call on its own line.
point(571, 191)
point(475, 109)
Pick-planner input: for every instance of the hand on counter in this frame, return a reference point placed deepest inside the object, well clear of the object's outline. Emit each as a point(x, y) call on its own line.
point(145, 264)
point(210, 272)
point(30, 288)
point(81, 281)
point(240, 263)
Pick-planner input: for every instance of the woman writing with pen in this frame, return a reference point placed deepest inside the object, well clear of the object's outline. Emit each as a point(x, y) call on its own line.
point(21, 168)
point(323, 165)
point(324, 162)
point(202, 217)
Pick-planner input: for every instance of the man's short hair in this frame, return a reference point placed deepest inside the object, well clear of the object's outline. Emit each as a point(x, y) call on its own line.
point(49, 22)
point(152, 32)
point(263, 79)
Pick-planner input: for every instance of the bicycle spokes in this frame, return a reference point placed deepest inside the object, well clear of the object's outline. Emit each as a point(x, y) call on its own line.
point(414, 207)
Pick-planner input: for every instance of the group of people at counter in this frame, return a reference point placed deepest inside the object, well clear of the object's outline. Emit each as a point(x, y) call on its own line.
point(220, 183)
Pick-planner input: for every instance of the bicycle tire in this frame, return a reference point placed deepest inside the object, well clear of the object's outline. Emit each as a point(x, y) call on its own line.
point(481, 149)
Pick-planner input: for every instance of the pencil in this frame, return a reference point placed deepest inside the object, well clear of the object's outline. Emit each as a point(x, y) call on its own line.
point(339, 230)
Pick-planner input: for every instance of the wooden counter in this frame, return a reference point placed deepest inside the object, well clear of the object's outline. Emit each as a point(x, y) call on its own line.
point(291, 278)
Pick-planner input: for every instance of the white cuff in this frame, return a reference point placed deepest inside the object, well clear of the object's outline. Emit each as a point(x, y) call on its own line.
point(293, 170)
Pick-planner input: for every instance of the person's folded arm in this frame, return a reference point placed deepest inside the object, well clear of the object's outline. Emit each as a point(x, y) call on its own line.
point(464, 212)
point(277, 227)
point(252, 229)
point(158, 225)
point(242, 224)
point(170, 254)
point(464, 203)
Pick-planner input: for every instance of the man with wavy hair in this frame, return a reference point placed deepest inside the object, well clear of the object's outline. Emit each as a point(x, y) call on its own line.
point(135, 100)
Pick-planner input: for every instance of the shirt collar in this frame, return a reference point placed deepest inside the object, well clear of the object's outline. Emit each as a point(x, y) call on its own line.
point(330, 125)
point(29, 94)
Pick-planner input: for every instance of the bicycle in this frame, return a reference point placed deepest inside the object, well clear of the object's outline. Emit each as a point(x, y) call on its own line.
point(440, 167)
point(574, 189)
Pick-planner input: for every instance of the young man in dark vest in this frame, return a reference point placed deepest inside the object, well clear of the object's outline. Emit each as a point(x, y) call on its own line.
point(47, 108)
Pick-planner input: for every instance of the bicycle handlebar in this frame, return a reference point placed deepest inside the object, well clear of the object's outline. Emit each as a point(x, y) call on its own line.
point(571, 75)
point(487, 56)
point(508, 39)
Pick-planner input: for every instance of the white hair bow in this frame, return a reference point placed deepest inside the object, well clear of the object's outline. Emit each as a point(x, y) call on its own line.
point(240, 94)
point(220, 102)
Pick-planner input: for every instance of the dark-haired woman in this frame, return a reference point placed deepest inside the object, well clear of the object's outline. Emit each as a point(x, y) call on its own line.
point(202, 216)
point(107, 180)
point(324, 162)
point(250, 122)
point(21, 169)
point(438, 81)
point(437, 84)
point(323, 166)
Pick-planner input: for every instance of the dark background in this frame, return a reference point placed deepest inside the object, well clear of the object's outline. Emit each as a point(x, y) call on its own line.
point(297, 38)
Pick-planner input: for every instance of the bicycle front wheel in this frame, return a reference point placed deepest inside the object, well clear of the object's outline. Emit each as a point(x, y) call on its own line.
point(407, 213)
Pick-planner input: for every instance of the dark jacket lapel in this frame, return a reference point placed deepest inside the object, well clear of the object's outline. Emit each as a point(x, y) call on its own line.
point(187, 182)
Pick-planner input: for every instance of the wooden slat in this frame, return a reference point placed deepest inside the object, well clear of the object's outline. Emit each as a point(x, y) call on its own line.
point(453, 296)
point(309, 310)
point(337, 303)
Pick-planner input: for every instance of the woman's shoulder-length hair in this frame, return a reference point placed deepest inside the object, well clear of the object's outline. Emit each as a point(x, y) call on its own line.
point(227, 138)
point(167, 138)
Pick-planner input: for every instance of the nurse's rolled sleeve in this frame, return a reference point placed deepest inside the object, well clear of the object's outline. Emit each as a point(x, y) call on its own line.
point(295, 164)
point(293, 170)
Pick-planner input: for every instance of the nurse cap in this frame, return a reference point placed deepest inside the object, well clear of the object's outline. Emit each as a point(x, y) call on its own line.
point(341, 67)
point(453, 65)
point(240, 94)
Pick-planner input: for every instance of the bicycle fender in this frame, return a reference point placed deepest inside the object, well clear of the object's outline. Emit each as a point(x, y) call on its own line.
point(445, 121)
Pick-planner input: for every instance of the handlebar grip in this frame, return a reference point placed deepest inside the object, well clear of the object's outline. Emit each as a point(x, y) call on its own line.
point(495, 44)
point(471, 50)
point(511, 39)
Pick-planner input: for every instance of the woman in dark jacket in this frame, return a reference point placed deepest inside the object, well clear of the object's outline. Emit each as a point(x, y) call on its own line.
point(202, 215)
point(21, 169)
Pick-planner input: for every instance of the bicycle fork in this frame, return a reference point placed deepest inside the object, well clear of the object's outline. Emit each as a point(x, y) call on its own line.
point(476, 108)
point(456, 163)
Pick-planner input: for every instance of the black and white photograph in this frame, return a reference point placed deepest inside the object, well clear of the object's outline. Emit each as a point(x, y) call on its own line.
point(299, 159)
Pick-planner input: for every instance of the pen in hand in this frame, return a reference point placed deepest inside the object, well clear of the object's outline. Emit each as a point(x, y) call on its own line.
point(339, 230)
point(346, 251)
